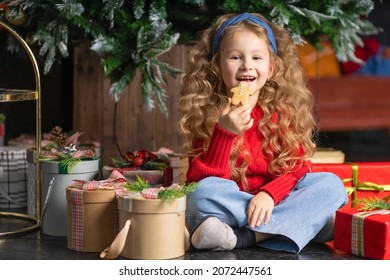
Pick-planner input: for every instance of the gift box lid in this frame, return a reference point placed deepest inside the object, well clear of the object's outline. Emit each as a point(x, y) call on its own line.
point(154, 177)
point(328, 155)
point(8, 153)
point(91, 196)
point(83, 166)
point(135, 203)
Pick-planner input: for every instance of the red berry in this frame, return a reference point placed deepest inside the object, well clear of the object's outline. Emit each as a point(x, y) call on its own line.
point(140, 153)
point(147, 155)
point(138, 161)
point(129, 156)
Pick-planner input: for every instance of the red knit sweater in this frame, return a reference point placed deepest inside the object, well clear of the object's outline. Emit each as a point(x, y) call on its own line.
point(215, 162)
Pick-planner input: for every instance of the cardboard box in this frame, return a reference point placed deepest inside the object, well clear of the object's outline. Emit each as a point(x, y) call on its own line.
point(179, 164)
point(328, 155)
point(362, 179)
point(92, 219)
point(157, 227)
point(13, 177)
point(363, 235)
point(154, 177)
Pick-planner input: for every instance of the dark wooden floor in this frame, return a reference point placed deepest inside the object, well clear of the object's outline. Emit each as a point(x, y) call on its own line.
point(37, 246)
point(358, 146)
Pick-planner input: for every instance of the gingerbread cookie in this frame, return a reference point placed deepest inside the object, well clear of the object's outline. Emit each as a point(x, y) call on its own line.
point(241, 93)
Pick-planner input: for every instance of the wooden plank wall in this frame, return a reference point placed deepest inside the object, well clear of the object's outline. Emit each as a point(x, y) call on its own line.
point(352, 103)
point(342, 104)
point(93, 111)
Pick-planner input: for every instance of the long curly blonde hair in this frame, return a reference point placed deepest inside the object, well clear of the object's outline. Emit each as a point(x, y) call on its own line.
point(287, 125)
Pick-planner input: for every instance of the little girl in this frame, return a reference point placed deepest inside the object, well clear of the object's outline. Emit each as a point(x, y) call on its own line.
point(251, 159)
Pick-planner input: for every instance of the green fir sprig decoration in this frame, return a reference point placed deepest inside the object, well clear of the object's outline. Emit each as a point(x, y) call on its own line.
point(176, 191)
point(373, 203)
point(154, 165)
point(167, 194)
point(67, 162)
point(120, 163)
point(138, 185)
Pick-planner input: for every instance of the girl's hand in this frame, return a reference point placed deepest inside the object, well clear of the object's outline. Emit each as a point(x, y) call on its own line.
point(236, 119)
point(260, 207)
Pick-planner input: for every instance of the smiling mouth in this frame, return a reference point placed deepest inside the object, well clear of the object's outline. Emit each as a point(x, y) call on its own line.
point(246, 79)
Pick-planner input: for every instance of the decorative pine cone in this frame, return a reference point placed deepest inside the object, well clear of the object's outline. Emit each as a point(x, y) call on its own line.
point(58, 137)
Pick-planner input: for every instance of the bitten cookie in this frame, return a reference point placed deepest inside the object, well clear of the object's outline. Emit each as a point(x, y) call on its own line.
point(241, 93)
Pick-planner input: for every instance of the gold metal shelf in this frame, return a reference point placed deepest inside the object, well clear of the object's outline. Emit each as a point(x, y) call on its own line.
point(16, 95)
point(11, 95)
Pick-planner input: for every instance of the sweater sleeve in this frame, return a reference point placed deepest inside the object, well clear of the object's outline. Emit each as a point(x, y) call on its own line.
point(281, 186)
point(215, 161)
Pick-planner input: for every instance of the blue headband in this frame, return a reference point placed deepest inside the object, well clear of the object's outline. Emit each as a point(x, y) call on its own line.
point(237, 19)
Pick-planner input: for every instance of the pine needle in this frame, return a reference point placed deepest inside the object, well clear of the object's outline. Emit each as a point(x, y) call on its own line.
point(138, 185)
point(167, 194)
point(120, 163)
point(177, 191)
point(154, 165)
point(373, 203)
point(170, 194)
point(68, 163)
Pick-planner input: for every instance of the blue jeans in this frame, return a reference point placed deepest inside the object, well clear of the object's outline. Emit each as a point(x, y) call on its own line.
point(294, 221)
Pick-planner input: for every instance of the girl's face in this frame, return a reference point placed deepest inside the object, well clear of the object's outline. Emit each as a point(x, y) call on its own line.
point(245, 57)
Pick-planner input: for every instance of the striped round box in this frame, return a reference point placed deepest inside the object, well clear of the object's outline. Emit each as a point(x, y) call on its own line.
point(13, 177)
point(55, 180)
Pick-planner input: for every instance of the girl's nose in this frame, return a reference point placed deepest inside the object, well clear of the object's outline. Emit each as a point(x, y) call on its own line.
point(246, 64)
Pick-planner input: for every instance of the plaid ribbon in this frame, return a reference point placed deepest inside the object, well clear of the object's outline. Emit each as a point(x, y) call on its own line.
point(77, 243)
point(357, 239)
point(153, 192)
point(83, 154)
point(115, 181)
point(54, 153)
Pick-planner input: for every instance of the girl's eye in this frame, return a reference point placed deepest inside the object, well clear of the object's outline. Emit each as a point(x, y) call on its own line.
point(236, 57)
point(257, 58)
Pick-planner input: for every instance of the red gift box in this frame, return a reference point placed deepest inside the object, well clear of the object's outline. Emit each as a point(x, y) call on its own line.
point(362, 179)
point(364, 234)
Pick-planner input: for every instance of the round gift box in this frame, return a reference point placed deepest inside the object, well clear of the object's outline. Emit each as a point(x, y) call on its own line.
point(157, 229)
point(91, 216)
point(13, 177)
point(54, 205)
